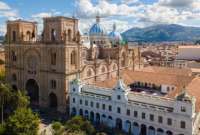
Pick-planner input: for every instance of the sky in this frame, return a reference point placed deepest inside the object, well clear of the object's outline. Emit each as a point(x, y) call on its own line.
point(124, 13)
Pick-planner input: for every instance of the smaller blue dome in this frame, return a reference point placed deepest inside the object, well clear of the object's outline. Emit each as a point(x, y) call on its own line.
point(115, 36)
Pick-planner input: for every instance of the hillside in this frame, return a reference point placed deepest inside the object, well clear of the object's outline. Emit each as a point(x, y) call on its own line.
point(162, 33)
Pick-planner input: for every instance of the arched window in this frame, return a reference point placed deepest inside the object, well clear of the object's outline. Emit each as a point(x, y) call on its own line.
point(14, 77)
point(103, 69)
point(53, 35)
point(53, 58)
point(13, 56)
point(73, 58)
point(89, 73)
point(14, 36)
point(28, 35)
point(69, 35)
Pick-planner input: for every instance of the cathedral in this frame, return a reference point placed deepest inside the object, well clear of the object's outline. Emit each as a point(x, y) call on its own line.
point(44, 65)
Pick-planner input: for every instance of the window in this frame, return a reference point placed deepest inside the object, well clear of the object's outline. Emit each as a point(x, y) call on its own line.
point(151, 117)
point(86, 103)
point(160, 119)
point(118, 97)
point(13, 56)
point(53, 58)
point(74, 100)
point(53, 84)
point(128, 112)
point(81, 102)
point(143, 116)
point(169, 121)
point(110, 108)
point(97, 105)
point(103, 106)
point(118, 110)
point(183, 109)
point(91, 104)
point(14, 77)
point(73, 58)
point(183, 125)
point(135, 114)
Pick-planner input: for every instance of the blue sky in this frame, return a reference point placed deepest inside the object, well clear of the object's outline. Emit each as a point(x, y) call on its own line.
point(125, 13)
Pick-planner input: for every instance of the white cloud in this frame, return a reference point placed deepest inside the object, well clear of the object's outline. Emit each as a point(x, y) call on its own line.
point(4, 6)
point(176, 3)
point(41, 15)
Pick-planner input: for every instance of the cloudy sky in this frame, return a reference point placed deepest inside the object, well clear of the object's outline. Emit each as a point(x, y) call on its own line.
point(125, 13)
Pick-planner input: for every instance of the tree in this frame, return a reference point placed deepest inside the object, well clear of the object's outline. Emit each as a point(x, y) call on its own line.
point(4, 97)
point(22, 122)
point(79, 123)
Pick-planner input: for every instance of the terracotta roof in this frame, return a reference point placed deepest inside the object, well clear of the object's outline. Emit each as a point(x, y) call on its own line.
point(167, 70)
point(130, 76)
point(190, 82)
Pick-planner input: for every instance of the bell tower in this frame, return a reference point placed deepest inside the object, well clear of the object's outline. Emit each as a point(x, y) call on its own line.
point(21, 31)
point(60, 29)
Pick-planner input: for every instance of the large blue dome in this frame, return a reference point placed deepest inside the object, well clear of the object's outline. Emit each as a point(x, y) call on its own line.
point(97, 29)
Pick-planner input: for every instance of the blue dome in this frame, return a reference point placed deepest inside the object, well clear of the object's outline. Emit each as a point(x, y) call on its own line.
point(115, 36)
point(97, 30)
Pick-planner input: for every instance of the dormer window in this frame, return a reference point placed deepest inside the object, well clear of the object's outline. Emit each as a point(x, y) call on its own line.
point(118, 97)
point(183, 109)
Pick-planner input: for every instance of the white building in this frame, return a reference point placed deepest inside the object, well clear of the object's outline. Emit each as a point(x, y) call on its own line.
point(161, 105)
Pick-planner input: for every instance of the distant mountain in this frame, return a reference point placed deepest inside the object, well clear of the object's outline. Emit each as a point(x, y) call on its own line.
point(163, 33)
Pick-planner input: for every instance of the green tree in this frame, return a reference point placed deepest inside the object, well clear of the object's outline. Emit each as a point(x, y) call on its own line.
point(4, 98)
point(79, 123)
point(22, 122)
point(2, 129)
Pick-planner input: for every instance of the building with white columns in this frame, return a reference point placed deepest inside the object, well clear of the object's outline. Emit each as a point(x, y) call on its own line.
point(141, 103)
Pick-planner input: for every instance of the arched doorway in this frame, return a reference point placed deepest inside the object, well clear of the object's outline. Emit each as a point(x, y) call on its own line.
point(160, 131)
point(73, 113)
point(52, 101)
point(151, 131)
point(92, 116)
point(128, 126)
point(81, 112)
point(119, 123)
point(169, 133)
point(143, 130)
point(136, 128)
point(33, 92)
point(98, 118)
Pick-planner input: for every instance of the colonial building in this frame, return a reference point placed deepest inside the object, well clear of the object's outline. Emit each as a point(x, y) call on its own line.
point(44, 65)
point(142, 102)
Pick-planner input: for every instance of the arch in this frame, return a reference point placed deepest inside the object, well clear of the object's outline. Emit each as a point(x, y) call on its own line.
point(14, 87)
point(73, 58)
point(118, 124)
point(160, 131)
point(53, 100)
point(169, 133)
point(14, 36)
point(81, 112)
point(73, 113)
point(103, 118)
point(98, 118)
point(136, 128)
point(14, 77)
point(86, 114)
point(128, 126)
point(13, 56)
point(53, 35)
point(69, 34)
point(151, 131)
point(28, 35)
point(92, 116)
point(33, 91)
point(143, 130)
